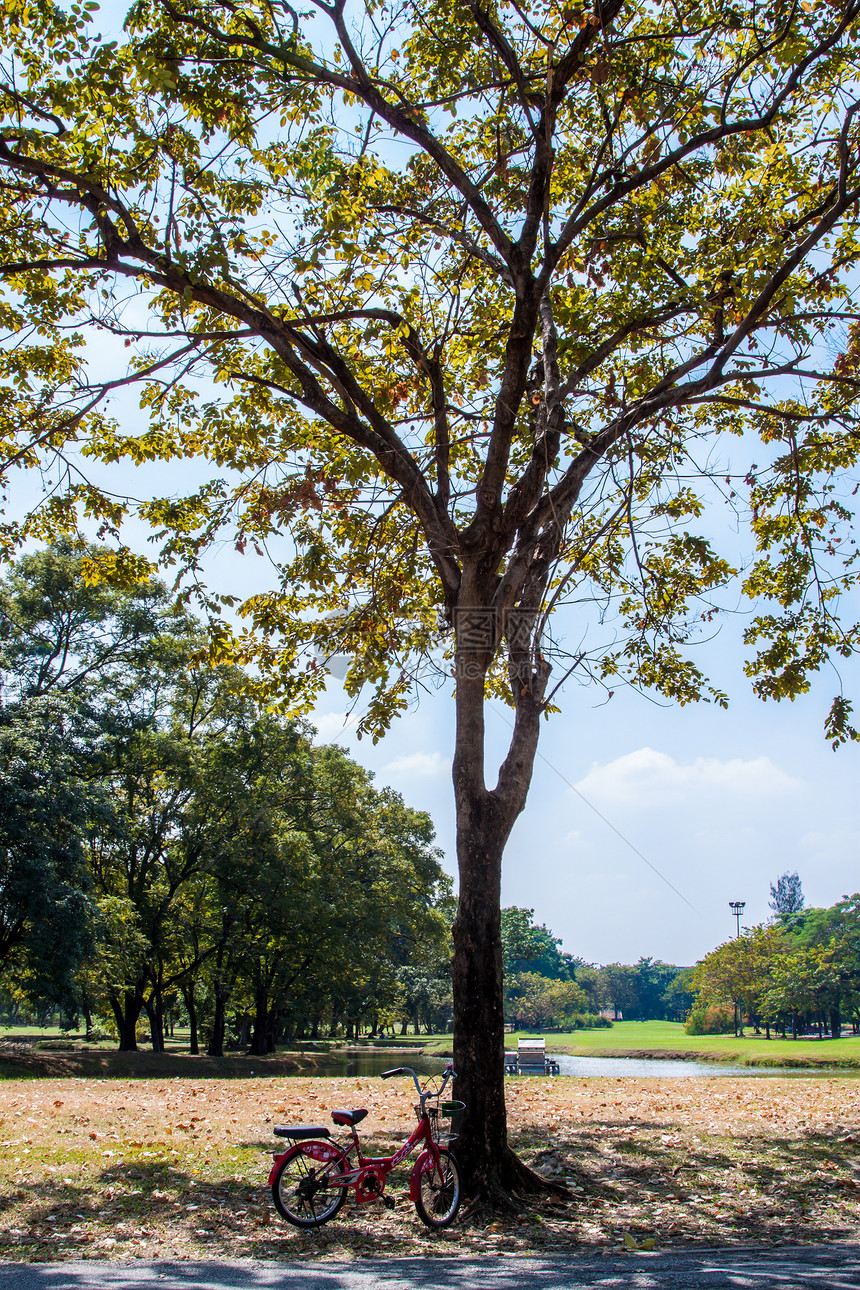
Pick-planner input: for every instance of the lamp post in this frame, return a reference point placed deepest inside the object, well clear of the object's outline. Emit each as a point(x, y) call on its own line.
point(737, 908)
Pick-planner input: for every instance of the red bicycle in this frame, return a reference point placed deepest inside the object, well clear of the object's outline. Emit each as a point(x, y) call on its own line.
point(310, 1180)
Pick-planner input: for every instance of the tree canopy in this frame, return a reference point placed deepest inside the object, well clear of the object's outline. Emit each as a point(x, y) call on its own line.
point(804, 965)
point(502, 273)
point(469, 305)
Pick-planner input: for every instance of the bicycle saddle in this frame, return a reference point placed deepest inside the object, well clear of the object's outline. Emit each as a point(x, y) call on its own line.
point(348, 1117)
point(301, 1131)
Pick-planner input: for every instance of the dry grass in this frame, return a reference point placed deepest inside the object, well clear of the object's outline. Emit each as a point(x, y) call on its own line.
point(177, 1167)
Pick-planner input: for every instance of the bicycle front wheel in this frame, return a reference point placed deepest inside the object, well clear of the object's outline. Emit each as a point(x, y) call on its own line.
point(441, 1192)
point(302, 1188)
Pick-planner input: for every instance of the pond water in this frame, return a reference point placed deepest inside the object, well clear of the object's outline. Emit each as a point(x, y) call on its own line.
point(373, 1064)
point(376, 1063)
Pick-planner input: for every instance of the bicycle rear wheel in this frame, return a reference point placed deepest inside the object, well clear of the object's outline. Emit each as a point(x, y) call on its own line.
point(302, 1189)
point(441, 1192)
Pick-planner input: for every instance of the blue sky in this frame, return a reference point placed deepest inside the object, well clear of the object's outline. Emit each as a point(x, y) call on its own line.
point(720, 803)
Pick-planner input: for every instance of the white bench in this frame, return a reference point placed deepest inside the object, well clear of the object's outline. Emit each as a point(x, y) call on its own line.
point(531, 1055)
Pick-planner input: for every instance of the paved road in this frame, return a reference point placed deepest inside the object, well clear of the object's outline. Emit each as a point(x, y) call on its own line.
point(830, 1266)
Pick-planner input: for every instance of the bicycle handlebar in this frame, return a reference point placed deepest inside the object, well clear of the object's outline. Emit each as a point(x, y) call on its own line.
point(407, 1070)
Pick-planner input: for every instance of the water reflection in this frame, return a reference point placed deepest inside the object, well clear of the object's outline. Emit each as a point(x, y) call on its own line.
point(375, 1063)
point(643, 1066)
point(648, 1067)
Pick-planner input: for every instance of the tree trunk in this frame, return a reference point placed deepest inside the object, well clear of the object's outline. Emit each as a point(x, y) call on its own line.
point(259, 1039)
point(126, 1012)
point(835, 1022)
point(155, 1012)
point(484, 821)
point(219, 1023)
point(479, 1045)
point(191, 1008)
point(243, 1029)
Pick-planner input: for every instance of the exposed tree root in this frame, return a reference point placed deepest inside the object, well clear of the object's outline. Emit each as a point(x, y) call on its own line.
point(509, 1190)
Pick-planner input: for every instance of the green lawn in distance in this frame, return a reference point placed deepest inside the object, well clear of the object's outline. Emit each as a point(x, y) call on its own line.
point(626, 1038)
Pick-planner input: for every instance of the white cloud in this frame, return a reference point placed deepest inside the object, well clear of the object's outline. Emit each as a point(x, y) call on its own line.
point(650, 778)
point(330, 726)
point(419, 763)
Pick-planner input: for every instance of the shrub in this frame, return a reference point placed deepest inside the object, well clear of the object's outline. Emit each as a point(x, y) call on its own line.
point(591, 1021)
point(717, 1019)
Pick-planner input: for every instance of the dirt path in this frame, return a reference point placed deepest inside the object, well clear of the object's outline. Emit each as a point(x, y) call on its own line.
point(177, 1168)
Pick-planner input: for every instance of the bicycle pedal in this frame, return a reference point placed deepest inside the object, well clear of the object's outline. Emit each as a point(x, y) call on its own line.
point(388, 1202)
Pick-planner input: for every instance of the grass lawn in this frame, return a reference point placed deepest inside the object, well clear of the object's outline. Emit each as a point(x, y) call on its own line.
point(124, 1169)
point(644, 1038)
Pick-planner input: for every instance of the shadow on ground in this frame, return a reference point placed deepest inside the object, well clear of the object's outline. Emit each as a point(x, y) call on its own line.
point(629, 1186)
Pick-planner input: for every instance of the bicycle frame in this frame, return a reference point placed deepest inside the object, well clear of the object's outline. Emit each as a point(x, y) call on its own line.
point(368, 1177)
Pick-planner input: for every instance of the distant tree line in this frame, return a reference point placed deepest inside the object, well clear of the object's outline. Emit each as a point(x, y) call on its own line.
point(172, 849)
point(546, 989)
point(798, 973)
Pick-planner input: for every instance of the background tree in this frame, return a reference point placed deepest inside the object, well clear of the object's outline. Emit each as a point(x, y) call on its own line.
point(847, 957)
point(46, 807)
point(731, 975)
point(802, 981)
point(60, 633)
point(460, 298)
point(679, 995)
point(592, 982)
point(204, 827)
point(156, 723)
point(803, 970)
point(786, 894)
point(835, 934)
point(540, 1003)
point(527, 947)
point(621, 984)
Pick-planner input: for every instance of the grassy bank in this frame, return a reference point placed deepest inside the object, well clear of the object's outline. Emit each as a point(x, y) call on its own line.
point(666, 1039)
point(46, 1059)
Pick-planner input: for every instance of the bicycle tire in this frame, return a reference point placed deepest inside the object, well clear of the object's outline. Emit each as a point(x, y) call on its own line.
point(300, 1191)
point(438, 1202)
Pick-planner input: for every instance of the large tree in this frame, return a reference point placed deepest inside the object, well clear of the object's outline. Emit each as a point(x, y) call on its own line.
point(463, 300)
